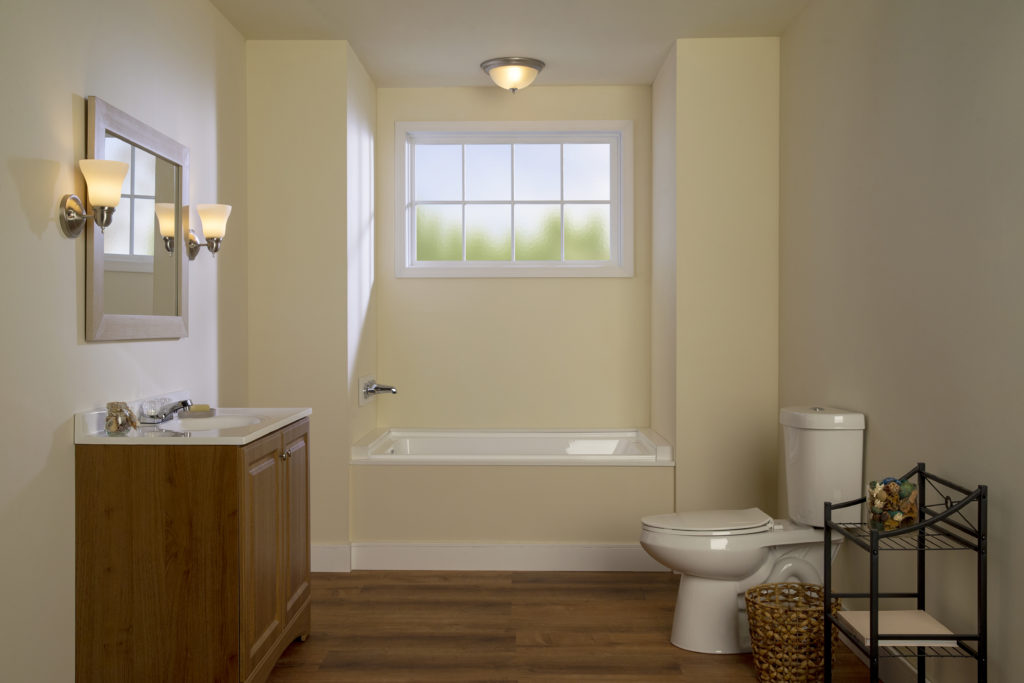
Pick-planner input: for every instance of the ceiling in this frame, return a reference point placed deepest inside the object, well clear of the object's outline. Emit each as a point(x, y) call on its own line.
point(425, 43)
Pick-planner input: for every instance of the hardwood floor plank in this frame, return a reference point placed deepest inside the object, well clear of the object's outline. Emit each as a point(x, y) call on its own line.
point(512, 627)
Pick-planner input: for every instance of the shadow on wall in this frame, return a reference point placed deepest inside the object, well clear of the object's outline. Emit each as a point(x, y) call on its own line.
point(36, 180)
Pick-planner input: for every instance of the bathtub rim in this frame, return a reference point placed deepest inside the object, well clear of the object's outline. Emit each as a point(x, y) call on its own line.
point(662, 449)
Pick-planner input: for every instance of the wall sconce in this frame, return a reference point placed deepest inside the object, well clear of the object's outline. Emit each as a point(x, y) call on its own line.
point(103, 181)
point(165, 221)
point(213, 218)
point(512, 73)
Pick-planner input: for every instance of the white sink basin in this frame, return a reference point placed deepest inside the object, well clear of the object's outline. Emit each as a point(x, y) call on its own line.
point(230, 426)
point(206, 424)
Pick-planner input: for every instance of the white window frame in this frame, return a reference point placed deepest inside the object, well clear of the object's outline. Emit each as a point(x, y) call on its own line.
point(618, 133)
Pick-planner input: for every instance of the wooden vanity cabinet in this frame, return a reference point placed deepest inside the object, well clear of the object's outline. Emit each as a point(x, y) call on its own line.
point(274, 545)
point(192, 562)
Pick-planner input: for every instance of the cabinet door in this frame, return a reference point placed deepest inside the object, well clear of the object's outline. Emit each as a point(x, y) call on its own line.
point(296, 505)
point(262, 618)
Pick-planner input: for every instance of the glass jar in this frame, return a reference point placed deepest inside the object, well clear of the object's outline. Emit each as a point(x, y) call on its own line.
point(120, 418)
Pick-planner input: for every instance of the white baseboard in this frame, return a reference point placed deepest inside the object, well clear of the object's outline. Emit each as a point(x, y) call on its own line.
point(331, 558)
point(502, 557)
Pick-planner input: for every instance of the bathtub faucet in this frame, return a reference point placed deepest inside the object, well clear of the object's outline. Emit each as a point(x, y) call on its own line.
point(371, 388)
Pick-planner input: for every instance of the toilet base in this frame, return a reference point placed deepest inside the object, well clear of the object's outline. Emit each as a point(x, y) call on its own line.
point(707, 617)
point(711, 614)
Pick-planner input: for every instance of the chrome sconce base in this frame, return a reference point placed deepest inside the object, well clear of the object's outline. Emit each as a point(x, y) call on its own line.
point(194, 245)
point(73, 217)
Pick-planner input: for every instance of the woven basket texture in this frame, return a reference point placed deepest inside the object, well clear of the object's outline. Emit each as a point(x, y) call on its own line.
point(787, 627)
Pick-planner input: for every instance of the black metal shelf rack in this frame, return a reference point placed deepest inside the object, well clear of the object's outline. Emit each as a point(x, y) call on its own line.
point(958, 521)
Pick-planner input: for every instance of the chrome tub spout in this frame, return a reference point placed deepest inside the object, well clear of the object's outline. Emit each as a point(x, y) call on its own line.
point(371, 388)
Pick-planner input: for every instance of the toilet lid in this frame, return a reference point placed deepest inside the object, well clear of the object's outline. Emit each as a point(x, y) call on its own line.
point(712, 522)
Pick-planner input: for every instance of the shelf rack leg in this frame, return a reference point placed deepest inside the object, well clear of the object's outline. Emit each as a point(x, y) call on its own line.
point(983, 585)
point(873, 616)
point(921, 544)
point(827, 587)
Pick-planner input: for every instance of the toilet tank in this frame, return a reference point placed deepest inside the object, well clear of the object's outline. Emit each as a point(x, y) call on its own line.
point(824, 460)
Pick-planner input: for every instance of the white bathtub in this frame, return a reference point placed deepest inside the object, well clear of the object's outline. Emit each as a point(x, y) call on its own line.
point(636, 447)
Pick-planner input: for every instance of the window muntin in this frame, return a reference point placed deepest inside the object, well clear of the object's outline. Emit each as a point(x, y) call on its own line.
point(513, 199)
point(128, 241)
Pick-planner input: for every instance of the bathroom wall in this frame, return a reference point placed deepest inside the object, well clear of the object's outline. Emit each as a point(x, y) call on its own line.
point(726, 269)
point(539, 352)
point(362, 315)
point(310, 140)
point(901, 245)
point(663, 249)
point(531, 353)
point(178, 67)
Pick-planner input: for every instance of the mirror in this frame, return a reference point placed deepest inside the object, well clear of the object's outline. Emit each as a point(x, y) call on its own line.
point(136, 280)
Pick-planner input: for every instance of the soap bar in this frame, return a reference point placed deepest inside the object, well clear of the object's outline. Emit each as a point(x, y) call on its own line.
point(201, 410)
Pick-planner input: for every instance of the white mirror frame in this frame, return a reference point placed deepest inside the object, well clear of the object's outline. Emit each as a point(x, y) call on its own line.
point(101, 326)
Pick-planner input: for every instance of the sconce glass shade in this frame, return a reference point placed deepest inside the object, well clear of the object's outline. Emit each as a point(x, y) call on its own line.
point(103, 180)
point(512, 73)
point(165, 218)
point(214, 219)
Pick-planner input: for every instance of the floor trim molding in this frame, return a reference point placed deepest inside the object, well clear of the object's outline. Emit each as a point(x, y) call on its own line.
point(502, 557)
point(331, 558)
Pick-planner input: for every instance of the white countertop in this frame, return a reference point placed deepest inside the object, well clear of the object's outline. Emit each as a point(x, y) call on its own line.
point(89, 428)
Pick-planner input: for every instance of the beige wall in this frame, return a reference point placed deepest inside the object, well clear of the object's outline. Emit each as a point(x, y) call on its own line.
point(663, 249)
point(544, 352)
point(530, 353)
point(362, 317)
point(727, 179)
point(178, 67)
point(903, 163)
point(298, 93)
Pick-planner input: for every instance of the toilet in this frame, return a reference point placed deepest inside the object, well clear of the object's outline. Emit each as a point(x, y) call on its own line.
point(721, 553)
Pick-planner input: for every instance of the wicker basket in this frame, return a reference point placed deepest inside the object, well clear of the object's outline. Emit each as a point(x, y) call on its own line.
point(787, 626)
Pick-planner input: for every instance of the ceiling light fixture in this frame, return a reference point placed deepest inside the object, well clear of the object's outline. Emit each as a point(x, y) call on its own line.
point(512, 73)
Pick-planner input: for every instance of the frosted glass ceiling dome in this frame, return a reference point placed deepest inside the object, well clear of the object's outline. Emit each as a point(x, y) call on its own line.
point(512, 73)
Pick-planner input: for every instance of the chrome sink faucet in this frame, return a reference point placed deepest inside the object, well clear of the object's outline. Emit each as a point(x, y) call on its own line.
point(165, 412)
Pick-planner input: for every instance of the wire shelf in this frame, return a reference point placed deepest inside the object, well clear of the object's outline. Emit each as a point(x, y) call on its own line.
point(935, 538)
point(930, 651)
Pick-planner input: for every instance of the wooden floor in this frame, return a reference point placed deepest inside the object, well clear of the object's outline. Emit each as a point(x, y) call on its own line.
point(504, 626)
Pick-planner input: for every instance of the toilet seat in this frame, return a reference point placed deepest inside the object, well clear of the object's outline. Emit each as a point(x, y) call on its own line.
point(711, 522)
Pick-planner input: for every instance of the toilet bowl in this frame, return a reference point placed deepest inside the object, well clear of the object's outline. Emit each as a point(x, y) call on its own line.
point(718, 564)
point(719, 554)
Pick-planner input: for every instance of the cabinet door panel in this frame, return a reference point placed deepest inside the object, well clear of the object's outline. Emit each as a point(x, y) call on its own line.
point(296, 505)
point(262, 535)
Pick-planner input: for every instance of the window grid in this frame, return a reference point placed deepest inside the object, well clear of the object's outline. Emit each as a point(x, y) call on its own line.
point(131, 196)
point(511, 203)
point(495, 252)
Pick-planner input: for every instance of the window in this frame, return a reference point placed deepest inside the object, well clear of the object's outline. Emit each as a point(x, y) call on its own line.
point(128, 241)
point(523, 199)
